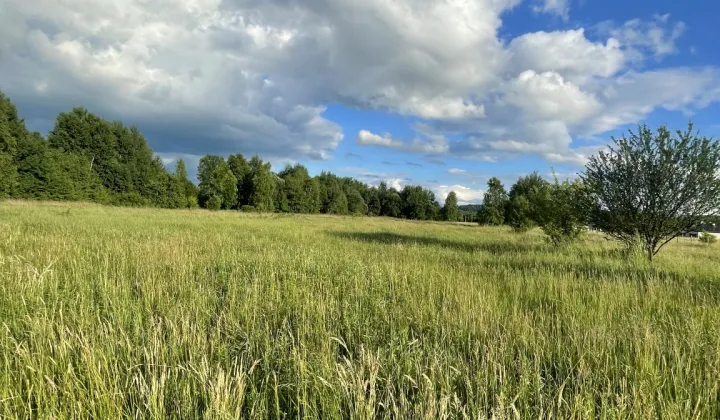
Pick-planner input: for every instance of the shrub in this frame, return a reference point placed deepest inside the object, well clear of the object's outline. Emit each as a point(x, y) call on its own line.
point(707, 238)
point(214, 202)
point(562, 211)
point(129, 199)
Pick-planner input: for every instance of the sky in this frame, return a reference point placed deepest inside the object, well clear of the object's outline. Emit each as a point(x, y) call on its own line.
point(439, 93)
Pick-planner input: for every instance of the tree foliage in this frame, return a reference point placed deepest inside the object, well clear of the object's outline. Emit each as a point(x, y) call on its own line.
point(563, 211)
point(653, 186)
point(209, 186)
point(301, 192)
point(450, 211)
point(356, 203)
point(525, 201)
point(8, 175)
point(707, 238)
point(12, 133)
point(263, 185)
point(188, 190)
point(243, 173)
point(492, 211)
point(390, 201)
point(419, 203)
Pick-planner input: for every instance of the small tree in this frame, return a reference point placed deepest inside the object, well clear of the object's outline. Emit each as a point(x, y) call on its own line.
point(450, 210)
point(213, 202)
point(653, 186)
point(563, 211)
point(707, 238)
point(492, 211)
point(525, 202)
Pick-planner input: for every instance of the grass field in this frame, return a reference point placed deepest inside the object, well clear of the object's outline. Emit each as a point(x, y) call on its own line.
point(109, 313)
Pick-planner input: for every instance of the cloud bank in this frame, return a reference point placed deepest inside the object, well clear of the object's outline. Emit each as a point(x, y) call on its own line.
point(220, 76)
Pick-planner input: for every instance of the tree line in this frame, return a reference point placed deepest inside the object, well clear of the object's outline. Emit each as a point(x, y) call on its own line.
point(644, 190)
point(86, 158)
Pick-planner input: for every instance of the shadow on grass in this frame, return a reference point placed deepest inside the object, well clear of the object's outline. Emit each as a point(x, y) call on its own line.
point(491, 247)
point(591, 264)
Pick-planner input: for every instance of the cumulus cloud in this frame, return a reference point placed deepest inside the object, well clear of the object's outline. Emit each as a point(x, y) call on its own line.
point(568, 53)
point(221, 76)
point(547, 96)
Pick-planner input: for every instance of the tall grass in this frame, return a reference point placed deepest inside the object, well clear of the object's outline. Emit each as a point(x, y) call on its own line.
point(110, 313)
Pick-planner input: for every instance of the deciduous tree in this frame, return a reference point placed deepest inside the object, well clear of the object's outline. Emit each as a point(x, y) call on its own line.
point(492, 211)
point(524, 201)
point(653, 186)
point(450, 209)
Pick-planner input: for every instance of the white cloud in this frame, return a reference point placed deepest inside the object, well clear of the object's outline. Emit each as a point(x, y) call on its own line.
point(557, 7)
point(464, 194)
point(456, 171)
point(657, 36)
point(395, 180)
point(367, 138)
point(432, 145)
point(443, 108)
point(220, 76)
point(633, 96)
point(568, 53)
point(547, 96)
point(397, 183)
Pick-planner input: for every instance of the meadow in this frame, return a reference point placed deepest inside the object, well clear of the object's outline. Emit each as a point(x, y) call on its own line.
point(143, 313)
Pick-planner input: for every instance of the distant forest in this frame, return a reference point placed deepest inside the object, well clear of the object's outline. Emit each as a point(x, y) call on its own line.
point(87, 158)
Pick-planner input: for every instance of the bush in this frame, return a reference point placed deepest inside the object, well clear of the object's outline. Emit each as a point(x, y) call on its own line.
point(518, 214)
point(562, 233)
point(130, 199)
point(213, 203)
point(707, 238)
point(248, 209)
point(192, 202)
point(562, 211)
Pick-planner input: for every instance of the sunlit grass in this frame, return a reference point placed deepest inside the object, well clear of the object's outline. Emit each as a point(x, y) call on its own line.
point(109, 312)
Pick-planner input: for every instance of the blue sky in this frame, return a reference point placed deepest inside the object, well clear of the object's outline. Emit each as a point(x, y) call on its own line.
point(442, 93)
